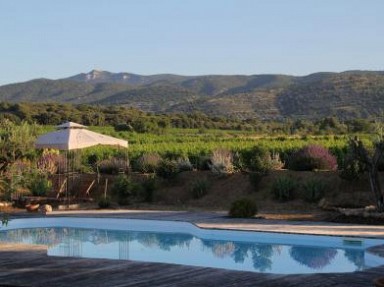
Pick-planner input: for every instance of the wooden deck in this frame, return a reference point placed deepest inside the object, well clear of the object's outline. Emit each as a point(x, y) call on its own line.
point(24, 265)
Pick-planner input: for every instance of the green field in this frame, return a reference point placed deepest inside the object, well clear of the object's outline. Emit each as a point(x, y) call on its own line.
point(175, 143)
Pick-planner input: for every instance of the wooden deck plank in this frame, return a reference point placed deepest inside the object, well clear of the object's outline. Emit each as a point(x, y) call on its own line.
point(25, 265)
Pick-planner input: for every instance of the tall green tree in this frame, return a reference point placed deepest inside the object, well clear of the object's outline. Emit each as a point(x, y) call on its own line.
point(370, 162)
point(16, 142)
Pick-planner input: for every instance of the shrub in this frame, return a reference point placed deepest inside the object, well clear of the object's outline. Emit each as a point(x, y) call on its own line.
point(113, 166)
point(51, 163)
point(243, 208)
point(123, 127)
point(351, 170)
point(148, 162)
point(104, 202)
point(274, 162)
point(314, 190)
point(39, 185)
point(167, 169)
point(201, 162)
point(17, 177)
point(74, 162)
point(312, 157)
point(61, 162)
point(125, 189)
point(261, 160)
point(149, 186)
point(238, 162)
point(199, 188)
point(222, 161)
point(283, 188)
point(183, 164)
point(340, 153)
point(47, 163)
point(93, 160)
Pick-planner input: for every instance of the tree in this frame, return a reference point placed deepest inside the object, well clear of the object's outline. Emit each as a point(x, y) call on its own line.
point(370, 162)
point(360, 126)
point(16, 141)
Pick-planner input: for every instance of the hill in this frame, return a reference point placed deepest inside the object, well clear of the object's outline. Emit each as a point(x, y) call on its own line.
point(345, 95)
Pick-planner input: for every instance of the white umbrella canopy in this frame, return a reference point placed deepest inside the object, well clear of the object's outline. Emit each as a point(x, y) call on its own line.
point(71, 136)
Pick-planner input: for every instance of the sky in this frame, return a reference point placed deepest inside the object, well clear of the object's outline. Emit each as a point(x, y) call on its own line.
point(61, 38)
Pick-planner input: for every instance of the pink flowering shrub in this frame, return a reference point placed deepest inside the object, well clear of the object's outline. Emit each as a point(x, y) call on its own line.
point(312, 157)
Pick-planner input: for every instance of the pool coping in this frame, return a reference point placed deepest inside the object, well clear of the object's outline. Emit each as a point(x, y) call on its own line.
point(219, 220)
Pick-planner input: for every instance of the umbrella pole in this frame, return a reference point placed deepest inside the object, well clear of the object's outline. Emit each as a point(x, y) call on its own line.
point(67, 178)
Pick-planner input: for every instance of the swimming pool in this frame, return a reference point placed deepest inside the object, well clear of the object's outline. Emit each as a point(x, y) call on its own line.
point(184, 243)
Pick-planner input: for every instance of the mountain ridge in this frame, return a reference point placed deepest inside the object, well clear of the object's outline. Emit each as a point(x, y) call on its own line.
point(346, 94)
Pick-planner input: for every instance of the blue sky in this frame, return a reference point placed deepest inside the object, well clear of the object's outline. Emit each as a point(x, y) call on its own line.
point(60, 38)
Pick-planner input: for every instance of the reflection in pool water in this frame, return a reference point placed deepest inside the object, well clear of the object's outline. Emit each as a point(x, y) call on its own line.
point(187, 249)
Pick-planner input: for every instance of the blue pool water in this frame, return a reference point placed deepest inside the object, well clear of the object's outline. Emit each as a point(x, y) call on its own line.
point(184, 243)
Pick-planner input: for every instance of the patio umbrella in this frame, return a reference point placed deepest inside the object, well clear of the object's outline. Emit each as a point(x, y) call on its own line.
point(70, 136)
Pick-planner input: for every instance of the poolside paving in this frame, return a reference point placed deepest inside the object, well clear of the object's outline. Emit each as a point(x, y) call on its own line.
point(25, 265)
point(219, 220)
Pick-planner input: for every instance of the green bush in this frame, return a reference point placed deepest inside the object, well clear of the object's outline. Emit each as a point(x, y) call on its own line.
point(112, 166)
point(284, 188)
point(93, 160)
point(222, 161)
point(243, 208)
point(125, 189)
point(123, 127)
point(201, 162)
point(200, 188)
point(262, 160)
point(94, 156)
point(148, 162)
point(104, 202)
point(40, 185)
point(183, 164)
point(351, 167)
point(167, 169)
point(314, 190)
point(149, 187)
point(351, 171)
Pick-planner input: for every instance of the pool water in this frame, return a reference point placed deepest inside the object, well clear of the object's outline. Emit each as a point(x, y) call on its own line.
point(183, 243)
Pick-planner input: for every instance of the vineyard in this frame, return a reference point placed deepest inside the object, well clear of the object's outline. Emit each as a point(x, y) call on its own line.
point(148, 169)
point(192, 143)
point(176, 143)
